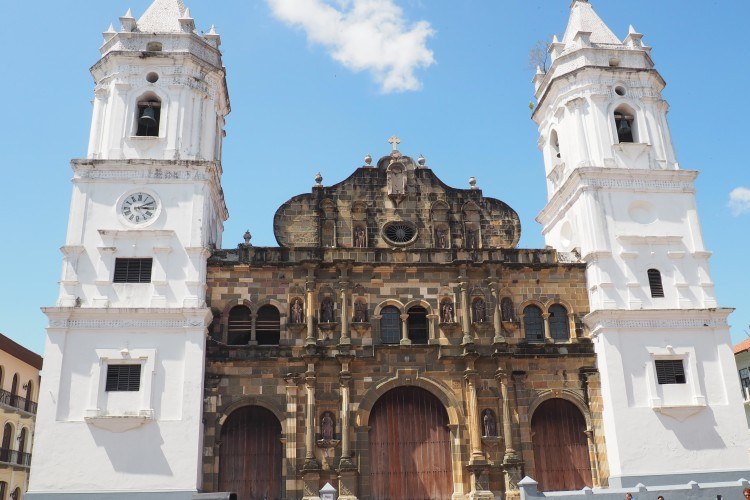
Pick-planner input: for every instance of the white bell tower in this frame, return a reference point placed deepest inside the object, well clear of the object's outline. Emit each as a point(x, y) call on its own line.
point(121, 399)
point(618, 198)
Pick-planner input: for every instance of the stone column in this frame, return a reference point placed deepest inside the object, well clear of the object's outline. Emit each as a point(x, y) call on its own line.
point(405, 330)
point(576, 107)
point(344, 314)
point(310, 311)
point(289, 432)
point(311, 467)
point(468, 338)
point(512, 463)
point(497, 316)
point(547, 333)
point(347, 469)
point(253, 321)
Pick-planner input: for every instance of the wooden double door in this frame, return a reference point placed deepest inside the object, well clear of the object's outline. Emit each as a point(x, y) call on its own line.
point(561, 451)
point(250, 454)
point(410, 457)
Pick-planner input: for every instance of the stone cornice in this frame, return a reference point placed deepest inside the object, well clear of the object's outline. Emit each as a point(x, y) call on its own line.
point(127, 318)
point(614, 179)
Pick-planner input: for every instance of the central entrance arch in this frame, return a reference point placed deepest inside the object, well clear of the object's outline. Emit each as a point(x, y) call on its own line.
point(250, 454)
point(410, 455)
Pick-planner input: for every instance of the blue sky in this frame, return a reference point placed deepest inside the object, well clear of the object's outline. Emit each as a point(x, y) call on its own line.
point(305, 100)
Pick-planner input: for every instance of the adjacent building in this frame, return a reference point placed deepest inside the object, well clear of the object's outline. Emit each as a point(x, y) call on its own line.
point(19, 389)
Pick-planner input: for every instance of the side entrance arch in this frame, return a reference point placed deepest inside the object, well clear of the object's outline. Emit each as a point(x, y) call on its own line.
point(561, 453)
point(410, 454)
point(250, 454)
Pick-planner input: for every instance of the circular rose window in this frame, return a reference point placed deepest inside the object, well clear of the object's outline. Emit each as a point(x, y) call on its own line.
point(399, 233)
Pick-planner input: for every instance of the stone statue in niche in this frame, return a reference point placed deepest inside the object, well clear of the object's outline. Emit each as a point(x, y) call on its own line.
point(326, 311)
point(472, 238)
point(441, 235)
point(480, 311)
point(360, 312)
point(506, 308)
point(396, 181)
point(359, 237)
point(446, 312)
point(297, 312)
point(326, 426)
point(489, 426)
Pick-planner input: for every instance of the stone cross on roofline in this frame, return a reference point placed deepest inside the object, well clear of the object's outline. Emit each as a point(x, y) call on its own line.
point(395, 141)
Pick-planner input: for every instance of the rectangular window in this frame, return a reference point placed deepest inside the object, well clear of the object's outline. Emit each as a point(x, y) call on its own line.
point(745, 382)
point(670, 371)
point(123, 378)
point(133, 270)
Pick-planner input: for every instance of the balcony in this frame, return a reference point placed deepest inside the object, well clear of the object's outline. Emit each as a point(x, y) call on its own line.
point(14, 458)
point(18, 402)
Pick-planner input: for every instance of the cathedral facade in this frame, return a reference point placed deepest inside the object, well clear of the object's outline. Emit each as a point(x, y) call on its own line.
point(396, 344)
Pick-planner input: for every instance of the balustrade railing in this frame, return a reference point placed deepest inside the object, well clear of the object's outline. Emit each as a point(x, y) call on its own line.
point(15, 457)
point(17, 401)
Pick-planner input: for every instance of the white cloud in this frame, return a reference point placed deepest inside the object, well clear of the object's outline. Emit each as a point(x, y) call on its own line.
point(739, 200)
point(364, 35)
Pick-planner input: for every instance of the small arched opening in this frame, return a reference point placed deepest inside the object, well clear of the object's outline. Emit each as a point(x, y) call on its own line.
point(268, 326)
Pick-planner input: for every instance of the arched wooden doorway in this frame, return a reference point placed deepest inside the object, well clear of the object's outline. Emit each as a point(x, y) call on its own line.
point(250, 454)
point(561, 452)
point(410, 455)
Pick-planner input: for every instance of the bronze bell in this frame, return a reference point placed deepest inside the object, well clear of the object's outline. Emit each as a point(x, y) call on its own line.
point(623, 130)
point(148, 117)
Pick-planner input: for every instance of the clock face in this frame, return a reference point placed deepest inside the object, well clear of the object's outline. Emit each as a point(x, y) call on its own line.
point(139, 208)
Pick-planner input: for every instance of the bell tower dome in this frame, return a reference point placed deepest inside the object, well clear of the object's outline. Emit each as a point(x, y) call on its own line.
point(619, 200)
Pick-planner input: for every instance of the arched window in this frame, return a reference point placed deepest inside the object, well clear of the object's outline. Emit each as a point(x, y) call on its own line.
point(3, 490)
point(149, 114)
point(239, 326)
point(559, 327)
point(22, 446)
point(14, 391)
point(625, 124)
point(507, 309)
point(654, 282)
point(16, 495)
point(5, 447)
point(417, 325)
point(29, 394)
point(390, 325)
point(554, 143)
point(533, 324)
point(268, 326)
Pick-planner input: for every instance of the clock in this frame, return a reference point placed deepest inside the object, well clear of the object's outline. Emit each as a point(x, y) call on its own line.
point(139, 208)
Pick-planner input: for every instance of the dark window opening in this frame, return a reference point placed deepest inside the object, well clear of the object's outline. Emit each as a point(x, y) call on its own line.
point(624, 125)
point(149, 113)
point(239, 326)
point(745, 383)
point(559, 325)
point(268, 326)
point(670, 371)
point(390, 325)
point(132, 270)
point(153, 47)
point(533, 324)
point(654, 282)
point(417, 325)
point(123, 378)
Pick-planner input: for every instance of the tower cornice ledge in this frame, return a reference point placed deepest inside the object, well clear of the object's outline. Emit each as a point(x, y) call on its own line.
point(649, 319)
point(613, 179)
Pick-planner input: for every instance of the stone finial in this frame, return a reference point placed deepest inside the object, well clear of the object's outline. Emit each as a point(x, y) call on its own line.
point(421, 160)
point(109, 34)
point(187, 23)
point(634, 39)
point(127, 22)
point(472, 182)
point(318, 179)
point(247, 237)
point(212, 37)
point(368, 159)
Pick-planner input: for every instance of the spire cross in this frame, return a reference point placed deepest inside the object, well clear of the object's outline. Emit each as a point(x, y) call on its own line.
point(395, 141)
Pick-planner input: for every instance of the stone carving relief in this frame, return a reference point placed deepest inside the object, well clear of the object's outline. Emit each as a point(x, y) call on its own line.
point(479, 310)
point(446, 312)
point(298, 311)
point(489, 423)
